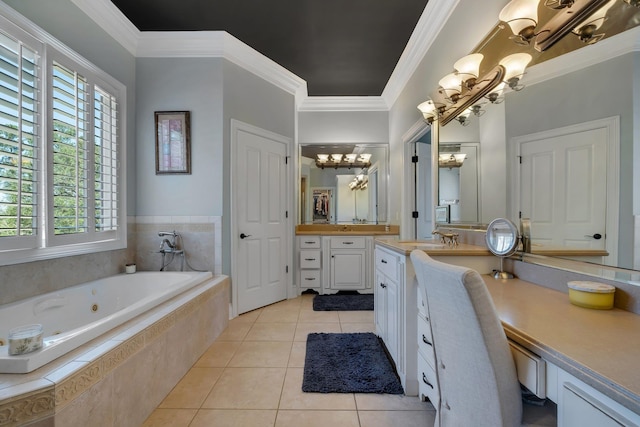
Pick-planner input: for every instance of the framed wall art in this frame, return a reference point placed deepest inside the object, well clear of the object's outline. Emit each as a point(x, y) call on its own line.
point(173, 142)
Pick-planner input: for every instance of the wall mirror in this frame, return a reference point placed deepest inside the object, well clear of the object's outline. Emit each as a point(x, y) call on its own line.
point(343, 183)
point(557, 110)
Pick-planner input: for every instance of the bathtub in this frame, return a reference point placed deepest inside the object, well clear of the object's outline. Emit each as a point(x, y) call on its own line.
point(76, 315)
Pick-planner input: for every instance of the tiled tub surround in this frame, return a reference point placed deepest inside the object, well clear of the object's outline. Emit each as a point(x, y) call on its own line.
point(201, 241)
point(120, 377)
point(22, 281)
point(78, 314)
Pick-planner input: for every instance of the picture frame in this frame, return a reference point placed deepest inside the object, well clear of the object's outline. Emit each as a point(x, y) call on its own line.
point(173, 142)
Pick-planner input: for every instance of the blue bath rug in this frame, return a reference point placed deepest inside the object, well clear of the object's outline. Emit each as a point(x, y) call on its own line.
point(348, 363)
point(343, 301)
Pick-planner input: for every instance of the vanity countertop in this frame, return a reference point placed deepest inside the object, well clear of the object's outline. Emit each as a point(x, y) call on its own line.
point(432, 247)
point(565, 251)
point(347, 230)
point(600, 347)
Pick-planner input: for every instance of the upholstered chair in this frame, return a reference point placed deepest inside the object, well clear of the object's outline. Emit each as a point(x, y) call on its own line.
point(475, 370)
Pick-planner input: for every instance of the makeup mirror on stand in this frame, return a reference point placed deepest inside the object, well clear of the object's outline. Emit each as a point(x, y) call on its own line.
point(502, 240)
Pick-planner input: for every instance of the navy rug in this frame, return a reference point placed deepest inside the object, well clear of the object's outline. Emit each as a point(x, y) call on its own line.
point(343, 301)
point(348, 363)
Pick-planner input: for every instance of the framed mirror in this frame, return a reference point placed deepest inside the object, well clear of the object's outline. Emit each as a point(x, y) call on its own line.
point(458, 181)
point(343, 183)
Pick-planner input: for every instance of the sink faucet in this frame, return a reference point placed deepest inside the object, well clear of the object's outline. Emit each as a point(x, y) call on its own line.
point(450, 239)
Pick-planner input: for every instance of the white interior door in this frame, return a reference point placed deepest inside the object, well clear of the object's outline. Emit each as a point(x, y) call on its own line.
point(563, 183)
point(260, 217)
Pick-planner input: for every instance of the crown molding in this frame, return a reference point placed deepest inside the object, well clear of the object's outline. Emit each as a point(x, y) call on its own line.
point(110, 19)
point(343, 103)
point(416, 131)
point(165, 44)
point(604, 50)
point(433, 19)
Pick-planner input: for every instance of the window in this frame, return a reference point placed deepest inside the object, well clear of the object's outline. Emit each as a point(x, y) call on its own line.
point(61, 190)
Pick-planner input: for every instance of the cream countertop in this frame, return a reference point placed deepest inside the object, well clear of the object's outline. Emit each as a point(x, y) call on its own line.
point(432, 247)
point(600, 347)
point(347, 230)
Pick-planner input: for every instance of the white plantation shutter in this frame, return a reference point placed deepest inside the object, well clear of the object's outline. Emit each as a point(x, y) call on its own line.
point(105, 160)
point(62, 179)
point(69, 152)
point(19, 92)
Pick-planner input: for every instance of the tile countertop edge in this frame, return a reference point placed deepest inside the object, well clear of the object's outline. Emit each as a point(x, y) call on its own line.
point(599, 381)
point(405, 248)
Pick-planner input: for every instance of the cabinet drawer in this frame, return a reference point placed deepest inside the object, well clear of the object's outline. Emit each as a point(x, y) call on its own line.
point(348, 243)
point(427, 382)
point(309, 242)
point(425, 342)
point(387, 264)
point(309, 259)
point(531, 369)
point(422, 304)
point(309, 279)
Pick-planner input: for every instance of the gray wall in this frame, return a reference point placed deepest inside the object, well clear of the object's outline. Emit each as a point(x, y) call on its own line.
point(602, 90)
point(251, 100)
point(180, 84)
point(63, 20)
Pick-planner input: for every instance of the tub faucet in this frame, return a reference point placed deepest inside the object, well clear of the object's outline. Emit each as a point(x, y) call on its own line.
point(166, 243)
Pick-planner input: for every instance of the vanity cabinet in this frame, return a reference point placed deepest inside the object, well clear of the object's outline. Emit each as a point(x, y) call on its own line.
point(310, 263)
point(427, 377)
point(348, 263)
point(328, 264)
point(395, 313)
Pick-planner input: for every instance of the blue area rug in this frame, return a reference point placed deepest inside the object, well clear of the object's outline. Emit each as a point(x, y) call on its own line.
point(343, 302)
point(348, 363)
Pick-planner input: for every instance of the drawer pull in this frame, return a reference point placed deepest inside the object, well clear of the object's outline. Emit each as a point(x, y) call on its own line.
point(347, 243)
point(309, 259)
point(382, 285)
point(310, 243)
point(309, 278)
point(424, 380)
point(426, 341)
point(384, 261)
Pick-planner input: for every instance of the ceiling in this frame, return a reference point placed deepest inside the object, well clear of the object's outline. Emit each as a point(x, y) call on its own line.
point(340, 48)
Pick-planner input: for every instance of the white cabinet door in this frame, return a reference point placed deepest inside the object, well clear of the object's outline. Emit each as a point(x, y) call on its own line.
point(393, 327)
point(348, 269)
point(380, 306)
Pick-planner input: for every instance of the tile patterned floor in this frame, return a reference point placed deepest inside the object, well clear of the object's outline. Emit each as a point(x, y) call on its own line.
point(252, 376)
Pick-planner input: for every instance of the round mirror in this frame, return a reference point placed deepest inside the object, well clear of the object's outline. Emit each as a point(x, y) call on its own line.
point(502, 240)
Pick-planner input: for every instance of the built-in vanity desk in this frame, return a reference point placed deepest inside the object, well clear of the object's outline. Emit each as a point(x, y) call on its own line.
point(337, 257)
point(584, 360)
point(591, 356)
point(398, 321)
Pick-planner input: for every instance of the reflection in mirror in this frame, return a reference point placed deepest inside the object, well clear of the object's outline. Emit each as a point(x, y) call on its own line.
point(343, 183)
point(458, 189)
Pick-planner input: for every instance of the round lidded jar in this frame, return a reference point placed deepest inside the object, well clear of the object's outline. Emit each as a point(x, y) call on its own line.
point(25, 339)
point(594, 295)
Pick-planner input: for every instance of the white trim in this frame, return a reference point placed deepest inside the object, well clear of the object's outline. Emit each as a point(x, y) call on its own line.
point(344, 103)
point(604, 50)
point(112, 21)
point(612, 126)
point(433, 19)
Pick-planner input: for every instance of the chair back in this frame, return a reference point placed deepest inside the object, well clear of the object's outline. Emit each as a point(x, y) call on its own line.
point(476, 373)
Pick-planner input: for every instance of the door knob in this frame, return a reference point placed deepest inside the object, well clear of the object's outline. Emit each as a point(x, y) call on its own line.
point(243, 236)
point(596, 236)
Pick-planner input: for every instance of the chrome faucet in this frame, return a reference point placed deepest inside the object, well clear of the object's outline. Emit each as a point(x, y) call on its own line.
point(169, 245)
